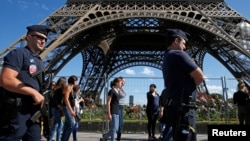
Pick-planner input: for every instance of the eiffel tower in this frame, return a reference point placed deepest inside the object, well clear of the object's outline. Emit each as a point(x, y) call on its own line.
point(112, 35)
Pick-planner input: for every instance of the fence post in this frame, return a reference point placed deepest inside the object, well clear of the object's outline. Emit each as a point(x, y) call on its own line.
point(105, 123)
point(225, 98)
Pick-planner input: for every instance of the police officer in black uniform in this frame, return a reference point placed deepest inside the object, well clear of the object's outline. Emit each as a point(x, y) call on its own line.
point(181, 76)
point(19, 91)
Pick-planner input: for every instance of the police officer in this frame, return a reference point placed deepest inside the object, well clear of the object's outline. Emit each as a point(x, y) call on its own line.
point(181, 76)
point(20, 89)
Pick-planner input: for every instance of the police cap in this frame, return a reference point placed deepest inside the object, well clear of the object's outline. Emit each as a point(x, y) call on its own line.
point(38, 28)
point(177, 33)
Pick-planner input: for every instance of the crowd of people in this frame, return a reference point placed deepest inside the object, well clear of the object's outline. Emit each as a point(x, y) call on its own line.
point(20, 84)
point(65, 101)
point(21, 95)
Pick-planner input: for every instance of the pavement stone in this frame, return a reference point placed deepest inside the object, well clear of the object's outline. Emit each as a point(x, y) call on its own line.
point(91, 136)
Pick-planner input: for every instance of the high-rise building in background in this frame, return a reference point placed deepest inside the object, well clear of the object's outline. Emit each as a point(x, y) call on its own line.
point(131, 100)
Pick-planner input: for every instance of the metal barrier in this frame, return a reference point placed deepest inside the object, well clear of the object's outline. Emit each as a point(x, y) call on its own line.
point(214, 107)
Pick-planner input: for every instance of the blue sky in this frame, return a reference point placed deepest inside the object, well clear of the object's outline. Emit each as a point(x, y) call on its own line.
point(17, 14)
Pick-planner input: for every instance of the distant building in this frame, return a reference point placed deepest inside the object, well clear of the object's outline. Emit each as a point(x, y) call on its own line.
point(131, 100)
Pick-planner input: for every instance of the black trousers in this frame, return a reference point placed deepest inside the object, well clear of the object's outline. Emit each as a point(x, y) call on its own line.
point(152, 118)
point(182, 122)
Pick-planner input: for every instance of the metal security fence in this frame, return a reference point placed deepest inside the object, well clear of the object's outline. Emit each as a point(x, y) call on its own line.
point(214, 106)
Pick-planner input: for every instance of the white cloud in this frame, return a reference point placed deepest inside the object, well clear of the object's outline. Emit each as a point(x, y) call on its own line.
point(218, 89)
point(148, 71)
point(23, 4)
point(214, 89)
point(44, 7)
point(230, 92)
point(129, 71)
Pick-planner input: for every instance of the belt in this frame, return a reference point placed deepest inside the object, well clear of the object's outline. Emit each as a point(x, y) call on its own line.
point(172, 102)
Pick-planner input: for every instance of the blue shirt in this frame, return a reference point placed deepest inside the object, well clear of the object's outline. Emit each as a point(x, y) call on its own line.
point(152, 103)
point(176, 69)
point(26, 63)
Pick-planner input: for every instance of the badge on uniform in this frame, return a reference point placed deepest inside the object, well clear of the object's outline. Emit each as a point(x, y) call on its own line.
point(32, 67)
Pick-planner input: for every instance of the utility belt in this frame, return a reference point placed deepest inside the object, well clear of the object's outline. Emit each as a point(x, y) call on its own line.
point(183, 120)
point(173, 102)
point(10, 105)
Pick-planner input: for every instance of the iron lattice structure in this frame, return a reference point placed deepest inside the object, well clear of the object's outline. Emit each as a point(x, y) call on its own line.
point(112, 35)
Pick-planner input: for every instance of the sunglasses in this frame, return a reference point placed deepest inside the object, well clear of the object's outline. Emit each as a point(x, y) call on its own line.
point(39, 37)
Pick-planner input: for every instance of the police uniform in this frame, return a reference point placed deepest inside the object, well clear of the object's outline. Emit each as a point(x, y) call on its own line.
point(24, 61)
point(180, 89)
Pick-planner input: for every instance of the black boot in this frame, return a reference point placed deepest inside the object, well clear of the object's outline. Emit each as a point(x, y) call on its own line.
point(119, 136)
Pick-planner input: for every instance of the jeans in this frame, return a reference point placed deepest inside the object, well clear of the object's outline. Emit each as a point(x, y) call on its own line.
point(167, 133)
point(74, 132)
point(114, 127)
point(68, 124)
point(161, 128)
point(121, 116)
point(57, 125)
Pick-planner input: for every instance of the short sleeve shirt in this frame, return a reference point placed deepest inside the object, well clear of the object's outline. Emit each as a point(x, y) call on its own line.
point(176, 68)
point(26, 63)
point(114, 105)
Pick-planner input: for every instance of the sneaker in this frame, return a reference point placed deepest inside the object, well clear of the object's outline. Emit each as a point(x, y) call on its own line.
point(103, 139)
point(150, 138)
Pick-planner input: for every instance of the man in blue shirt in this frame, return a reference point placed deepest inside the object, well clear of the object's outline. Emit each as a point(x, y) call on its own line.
point(19, 89)
point(181, 76)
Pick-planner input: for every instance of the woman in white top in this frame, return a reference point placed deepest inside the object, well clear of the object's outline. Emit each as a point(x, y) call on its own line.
point(78, 109)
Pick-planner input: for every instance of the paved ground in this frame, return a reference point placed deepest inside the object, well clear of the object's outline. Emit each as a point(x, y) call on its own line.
point(85, 136)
